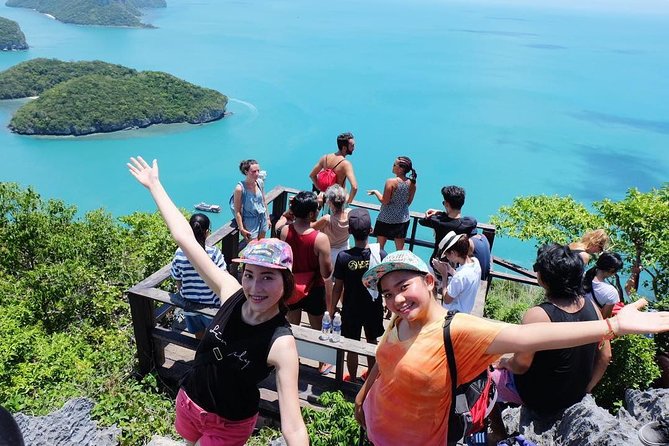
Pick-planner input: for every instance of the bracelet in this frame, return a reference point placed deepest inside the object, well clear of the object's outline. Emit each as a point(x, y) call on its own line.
point(610, 333)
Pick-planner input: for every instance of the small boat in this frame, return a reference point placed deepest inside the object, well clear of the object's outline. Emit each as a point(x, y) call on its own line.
point(206, 207)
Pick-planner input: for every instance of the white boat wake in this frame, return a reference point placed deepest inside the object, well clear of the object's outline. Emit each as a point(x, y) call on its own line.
point(252, 108)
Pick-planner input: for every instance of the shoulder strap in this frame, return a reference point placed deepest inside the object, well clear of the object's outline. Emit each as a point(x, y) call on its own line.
point(450, 356)
point(340, 161)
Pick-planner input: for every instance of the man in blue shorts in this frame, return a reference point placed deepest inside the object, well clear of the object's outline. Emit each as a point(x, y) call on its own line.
point(359, 308)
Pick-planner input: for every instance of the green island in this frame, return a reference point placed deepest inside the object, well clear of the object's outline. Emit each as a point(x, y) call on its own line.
point(92, 12)
point(11, 36)
point(80, 98)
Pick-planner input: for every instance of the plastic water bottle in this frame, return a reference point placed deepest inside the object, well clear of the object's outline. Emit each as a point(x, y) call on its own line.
point(325, 332)
point(336, 328)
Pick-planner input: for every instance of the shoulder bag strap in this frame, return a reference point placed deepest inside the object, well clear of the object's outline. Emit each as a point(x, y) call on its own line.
point(340, 161)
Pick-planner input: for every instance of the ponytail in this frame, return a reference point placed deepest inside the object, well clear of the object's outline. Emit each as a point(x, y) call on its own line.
point(412, 176)
point(200, 223)
point(405, 163)
point(587, 279)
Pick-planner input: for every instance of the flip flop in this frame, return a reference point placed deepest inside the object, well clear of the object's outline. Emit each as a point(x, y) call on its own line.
point(325, 369)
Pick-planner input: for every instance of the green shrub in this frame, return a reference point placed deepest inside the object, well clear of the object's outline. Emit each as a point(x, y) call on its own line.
point(633, 367)
point(65, 326)
point(335, 424)
point(662, 339)
point(508, 301)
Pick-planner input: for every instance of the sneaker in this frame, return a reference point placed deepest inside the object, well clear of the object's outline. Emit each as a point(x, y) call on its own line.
point(364, 374)
point(655, 433)
point(347, 378)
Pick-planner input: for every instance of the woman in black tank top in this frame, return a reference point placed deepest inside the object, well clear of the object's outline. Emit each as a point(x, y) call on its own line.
point(249, 336)
point(549, 381)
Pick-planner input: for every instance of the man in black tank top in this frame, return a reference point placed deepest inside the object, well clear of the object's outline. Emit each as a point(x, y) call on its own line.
point(552, 380)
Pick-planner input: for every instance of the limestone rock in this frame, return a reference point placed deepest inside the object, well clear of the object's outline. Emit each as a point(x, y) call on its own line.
point(164, 441)
point(69, 426)
point(586, 424)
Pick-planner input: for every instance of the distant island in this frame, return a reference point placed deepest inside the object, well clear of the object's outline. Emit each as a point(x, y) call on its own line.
point(92, 12)
point(81, 98)
point(34, 76)
point(11, 36)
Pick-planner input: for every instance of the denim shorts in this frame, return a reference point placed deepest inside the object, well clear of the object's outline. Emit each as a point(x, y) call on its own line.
point(194, 423)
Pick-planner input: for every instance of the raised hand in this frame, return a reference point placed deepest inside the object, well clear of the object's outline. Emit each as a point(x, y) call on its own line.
point(145, 174)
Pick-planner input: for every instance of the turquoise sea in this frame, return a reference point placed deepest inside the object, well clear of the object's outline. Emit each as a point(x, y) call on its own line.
point(503, 98)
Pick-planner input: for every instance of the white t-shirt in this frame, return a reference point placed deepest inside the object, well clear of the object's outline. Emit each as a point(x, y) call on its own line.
point(464, 286)
point(603, 293)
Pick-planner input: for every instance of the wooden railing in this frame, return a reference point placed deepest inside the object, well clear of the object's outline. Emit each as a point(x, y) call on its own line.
point(149, 304)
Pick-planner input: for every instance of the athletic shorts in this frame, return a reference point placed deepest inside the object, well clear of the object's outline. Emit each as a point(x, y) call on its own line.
point(194, 423)
point(313, 303)
point(506, 386)
point(352, 324)
point(391, 230)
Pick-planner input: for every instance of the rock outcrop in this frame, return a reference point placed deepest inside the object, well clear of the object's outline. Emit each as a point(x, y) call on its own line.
point(586, 424)
point(70, 426)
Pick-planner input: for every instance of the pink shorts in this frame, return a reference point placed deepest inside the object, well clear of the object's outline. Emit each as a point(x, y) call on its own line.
point(506, 386)
point(194, 423)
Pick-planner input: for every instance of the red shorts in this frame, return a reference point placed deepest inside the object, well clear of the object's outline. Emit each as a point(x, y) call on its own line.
point(194, 423)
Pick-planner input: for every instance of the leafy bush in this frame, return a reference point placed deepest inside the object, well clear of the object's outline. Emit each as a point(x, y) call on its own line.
point(65, 327)
point(508, 301)
point(335, 424)
point(633, 367)
point(662, 339)
point(636, 224)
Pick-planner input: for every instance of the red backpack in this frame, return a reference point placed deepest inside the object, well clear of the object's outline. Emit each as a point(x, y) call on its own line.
point(471, 402)
point(326, 177)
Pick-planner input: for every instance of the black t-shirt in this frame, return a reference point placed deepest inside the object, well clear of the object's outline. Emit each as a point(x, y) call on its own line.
point(231, 360)
point(350, 266)
point(443, 224)
point(557, 379)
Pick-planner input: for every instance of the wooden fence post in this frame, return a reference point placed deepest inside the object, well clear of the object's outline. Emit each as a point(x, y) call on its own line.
point(279, 206)
point(143, 323)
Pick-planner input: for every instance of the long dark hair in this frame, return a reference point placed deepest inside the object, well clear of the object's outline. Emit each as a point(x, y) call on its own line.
point(404, 162)
point(200, 224)
point(607, 261)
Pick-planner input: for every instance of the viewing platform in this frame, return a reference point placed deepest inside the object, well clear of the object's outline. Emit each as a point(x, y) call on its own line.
point(168, 351)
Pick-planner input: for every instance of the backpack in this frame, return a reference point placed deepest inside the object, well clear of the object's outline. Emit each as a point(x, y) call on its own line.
point(472, 401)
point(326, 177)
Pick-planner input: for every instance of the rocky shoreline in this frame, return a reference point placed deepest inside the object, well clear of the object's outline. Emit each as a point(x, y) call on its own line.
point(203, 118)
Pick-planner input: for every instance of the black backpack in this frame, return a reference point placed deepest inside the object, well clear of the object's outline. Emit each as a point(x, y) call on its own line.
point(472, 401)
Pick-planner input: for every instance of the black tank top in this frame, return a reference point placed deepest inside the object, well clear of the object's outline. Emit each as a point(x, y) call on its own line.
point(231, 360)
point(557, 379)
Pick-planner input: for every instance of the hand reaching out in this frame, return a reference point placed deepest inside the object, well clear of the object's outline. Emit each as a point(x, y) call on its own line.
point(145, 174)
point(631, 320)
